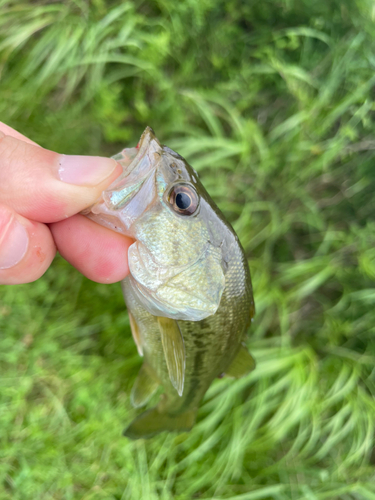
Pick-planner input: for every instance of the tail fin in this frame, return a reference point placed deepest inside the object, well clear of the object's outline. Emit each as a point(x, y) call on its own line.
point(151, 422)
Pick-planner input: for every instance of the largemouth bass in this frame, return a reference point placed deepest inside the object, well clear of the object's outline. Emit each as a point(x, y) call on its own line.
point(188, 295)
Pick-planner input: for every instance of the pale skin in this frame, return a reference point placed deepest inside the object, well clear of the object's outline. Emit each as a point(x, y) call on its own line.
point(41, 196)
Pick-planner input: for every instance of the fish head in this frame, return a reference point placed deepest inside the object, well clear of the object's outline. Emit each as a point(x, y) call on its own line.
point(176, 262)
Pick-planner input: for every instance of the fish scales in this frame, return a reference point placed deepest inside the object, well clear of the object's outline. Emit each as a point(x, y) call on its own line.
point(189, 291)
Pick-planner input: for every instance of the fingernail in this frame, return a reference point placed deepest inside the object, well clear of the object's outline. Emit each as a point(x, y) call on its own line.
point(85, 170)
point(14, 241)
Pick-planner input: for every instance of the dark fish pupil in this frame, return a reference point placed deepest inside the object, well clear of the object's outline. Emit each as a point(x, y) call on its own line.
point(183, 201)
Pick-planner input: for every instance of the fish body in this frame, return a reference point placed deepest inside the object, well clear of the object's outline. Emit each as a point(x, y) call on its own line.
point(188, 295)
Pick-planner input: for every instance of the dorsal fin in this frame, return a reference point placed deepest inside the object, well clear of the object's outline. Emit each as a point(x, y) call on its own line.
point(174, 351)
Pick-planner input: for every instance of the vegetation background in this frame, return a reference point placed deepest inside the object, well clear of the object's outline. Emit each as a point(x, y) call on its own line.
point(273, 103)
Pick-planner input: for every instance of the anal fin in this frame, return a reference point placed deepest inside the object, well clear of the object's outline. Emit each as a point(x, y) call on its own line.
point(174, 351)
point(242, 364)
point(144, 386)
point(152, 422)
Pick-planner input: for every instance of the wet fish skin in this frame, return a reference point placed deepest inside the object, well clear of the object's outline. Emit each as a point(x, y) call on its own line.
point(189, 268)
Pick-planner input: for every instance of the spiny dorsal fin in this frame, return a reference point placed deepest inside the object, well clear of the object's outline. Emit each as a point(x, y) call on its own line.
point(135, 333)
point(242, 364)
point(144, 386)
point(174, 351)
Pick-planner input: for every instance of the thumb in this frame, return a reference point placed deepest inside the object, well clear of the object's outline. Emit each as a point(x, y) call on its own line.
point(47, 187)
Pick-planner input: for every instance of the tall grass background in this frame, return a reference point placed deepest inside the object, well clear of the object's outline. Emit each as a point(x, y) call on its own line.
point(273, 103)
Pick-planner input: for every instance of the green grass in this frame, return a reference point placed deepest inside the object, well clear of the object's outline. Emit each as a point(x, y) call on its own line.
point(273, 103)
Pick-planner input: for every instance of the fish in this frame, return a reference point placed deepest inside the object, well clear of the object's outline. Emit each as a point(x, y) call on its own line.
point(189, 293)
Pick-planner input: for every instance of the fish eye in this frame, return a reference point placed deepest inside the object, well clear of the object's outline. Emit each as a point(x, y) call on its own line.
point(183, 199)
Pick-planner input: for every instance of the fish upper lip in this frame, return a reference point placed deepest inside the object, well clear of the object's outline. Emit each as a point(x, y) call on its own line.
point(129, 183)
point(116, 199)
point(143, 145)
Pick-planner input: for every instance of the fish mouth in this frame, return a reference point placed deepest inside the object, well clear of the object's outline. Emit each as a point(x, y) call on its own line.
point(139, 165)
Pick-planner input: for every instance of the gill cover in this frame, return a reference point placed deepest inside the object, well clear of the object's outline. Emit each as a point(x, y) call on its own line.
point(189, 292)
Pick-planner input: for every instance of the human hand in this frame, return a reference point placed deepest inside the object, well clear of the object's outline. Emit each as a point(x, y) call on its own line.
point(41, 193)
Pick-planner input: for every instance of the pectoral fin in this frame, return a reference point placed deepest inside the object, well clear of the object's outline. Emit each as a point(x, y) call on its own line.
point(135, 332)
point(144, 386)
point(174, 351)
point(242, 364)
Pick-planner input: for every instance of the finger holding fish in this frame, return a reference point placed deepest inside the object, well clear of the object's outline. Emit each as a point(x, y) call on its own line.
point(40, 187)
